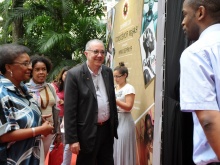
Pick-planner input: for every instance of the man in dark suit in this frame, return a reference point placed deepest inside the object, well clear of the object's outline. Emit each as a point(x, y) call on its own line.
point(90, 115)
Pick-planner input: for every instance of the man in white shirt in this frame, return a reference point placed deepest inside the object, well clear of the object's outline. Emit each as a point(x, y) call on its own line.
point(200, 77)
point(90, 114)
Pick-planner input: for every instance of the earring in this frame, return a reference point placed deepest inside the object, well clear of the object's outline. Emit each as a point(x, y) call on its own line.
point(11, 74)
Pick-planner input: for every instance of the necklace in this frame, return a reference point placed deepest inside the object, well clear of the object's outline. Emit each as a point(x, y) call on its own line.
point(47, 99)
point(96, 81)
point(20, 91)
point(97, 87)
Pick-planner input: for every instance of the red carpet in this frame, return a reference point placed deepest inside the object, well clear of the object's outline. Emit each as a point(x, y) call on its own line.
point(73, 162)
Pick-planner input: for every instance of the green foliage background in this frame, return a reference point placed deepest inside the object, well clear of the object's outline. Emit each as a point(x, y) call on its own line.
point(58, 29)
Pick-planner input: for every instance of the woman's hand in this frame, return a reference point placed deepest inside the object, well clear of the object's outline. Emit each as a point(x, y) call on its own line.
point(47, 128)
point(61, 102)
point(44, 117)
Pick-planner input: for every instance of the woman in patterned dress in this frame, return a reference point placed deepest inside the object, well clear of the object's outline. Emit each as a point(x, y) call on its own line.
point(21, 123)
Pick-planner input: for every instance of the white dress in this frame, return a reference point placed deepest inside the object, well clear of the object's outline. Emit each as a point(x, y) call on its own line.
point(124, 146)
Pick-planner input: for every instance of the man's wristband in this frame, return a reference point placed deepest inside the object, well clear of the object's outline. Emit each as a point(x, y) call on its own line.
point(33, 131)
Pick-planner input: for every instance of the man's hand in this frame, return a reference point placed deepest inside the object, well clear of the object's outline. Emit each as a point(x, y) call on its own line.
point(75, 148)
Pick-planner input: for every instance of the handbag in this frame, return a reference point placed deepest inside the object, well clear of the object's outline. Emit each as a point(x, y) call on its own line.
point(56, 155)
point(55, 112)
point(56, 123)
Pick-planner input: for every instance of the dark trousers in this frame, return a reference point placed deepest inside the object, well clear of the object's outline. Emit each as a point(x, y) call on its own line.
point(103, 150)
point(214, 163)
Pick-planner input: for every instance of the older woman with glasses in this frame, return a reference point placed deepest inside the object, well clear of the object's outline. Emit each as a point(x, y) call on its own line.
point(21, 124)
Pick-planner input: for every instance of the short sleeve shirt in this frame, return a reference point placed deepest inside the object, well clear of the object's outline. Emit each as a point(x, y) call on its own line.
point(200, 86)
point(121, 93)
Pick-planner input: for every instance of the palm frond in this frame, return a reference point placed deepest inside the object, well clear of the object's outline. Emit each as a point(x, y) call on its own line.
point(50, 39)
point(57, 68)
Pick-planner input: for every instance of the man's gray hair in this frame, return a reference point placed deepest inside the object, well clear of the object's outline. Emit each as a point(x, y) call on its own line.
point(93, 41)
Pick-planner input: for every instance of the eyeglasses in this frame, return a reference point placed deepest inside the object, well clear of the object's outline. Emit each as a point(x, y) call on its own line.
point(26, 64)
point(96, 52)
point(116, 76)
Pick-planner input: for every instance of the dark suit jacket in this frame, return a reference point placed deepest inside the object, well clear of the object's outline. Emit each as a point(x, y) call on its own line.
point(81, 107)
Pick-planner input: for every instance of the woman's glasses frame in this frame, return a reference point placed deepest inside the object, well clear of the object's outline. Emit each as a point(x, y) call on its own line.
point(118, 76)
point(26, 64)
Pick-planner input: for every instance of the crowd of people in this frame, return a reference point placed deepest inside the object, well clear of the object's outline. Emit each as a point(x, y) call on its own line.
point(88, 122)
point(96, 112)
